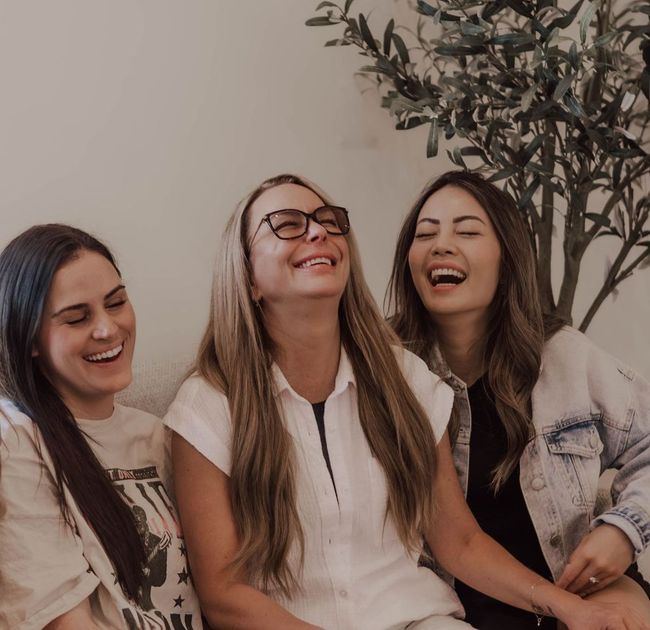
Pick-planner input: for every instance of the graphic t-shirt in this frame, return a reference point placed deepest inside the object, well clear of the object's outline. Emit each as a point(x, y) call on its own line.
point(46, 569)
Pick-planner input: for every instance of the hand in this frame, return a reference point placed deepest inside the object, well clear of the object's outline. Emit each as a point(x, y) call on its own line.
point(604, 616)
point(605, 553)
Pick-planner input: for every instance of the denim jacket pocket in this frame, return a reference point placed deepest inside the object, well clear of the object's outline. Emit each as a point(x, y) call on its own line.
point(575, 446)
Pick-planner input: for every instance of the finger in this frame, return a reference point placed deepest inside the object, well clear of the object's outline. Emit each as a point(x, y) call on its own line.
point(603, 582)
point(572, 570)
point(584, 581)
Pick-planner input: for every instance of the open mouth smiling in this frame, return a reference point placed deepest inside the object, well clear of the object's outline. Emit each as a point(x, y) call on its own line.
point(105, 357)
point(446, 276)
point(316, 260)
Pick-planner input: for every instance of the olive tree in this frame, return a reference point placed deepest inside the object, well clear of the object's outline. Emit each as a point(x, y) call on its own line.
point(552, 101)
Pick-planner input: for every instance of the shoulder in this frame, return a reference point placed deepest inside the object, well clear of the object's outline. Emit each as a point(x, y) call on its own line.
point(196, 391)
point(435, 396)
point(414, 369)
point(571, 352)
point(17, 430)
point(200, 415)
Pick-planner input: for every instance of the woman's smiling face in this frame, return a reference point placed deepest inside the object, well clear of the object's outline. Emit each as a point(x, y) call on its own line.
point(455, 255)
point(315, 265)
point(87, 333)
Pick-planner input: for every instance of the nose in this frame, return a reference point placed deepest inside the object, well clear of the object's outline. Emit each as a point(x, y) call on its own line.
point(443, 244)
point(315, 231)
point(105, 328)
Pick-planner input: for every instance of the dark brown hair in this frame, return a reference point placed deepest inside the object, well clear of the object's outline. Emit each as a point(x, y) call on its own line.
point(27, 267)
point(512, 347)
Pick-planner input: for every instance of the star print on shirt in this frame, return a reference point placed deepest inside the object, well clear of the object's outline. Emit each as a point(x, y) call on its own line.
point(178, 602)
point(183, 549)
point(183, 576)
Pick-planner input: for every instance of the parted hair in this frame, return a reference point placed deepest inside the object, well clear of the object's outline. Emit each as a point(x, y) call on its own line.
point(236, 357)
point(512, 347)
point(27, 268)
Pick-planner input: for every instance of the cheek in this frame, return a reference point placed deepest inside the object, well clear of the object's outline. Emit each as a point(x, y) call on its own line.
point(415, 264)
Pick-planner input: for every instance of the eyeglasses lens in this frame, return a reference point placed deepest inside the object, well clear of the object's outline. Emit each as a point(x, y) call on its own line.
point(289, 224)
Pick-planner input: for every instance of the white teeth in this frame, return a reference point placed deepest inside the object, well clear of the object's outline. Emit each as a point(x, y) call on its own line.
point(105, 355)
point(321, 260)
point(447, 272)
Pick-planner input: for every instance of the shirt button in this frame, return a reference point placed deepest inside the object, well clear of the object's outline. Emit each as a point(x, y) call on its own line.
point(537, 483)
point(343, 593)
point(555, 540)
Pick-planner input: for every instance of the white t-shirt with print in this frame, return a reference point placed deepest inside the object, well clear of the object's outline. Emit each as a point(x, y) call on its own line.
point(356, 572)
point(46, 569)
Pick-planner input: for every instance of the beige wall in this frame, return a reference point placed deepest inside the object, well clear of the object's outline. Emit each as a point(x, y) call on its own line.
point(145, 122)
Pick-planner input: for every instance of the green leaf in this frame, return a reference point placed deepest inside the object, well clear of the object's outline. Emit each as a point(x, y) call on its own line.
point(585, 21)
point(514, 39)
point(348, 4)
point(563, 86)
point(337, 42)
point(527, 195)
point(321, 20)
point(574, 106)
point(388, 35)
point(573, 56)
point(366, 34)
point(603, 40)
point(402, 50)
point(598, 219)
point(324, 4)
point(527, 98)
point(502, 174)
point(432, 141)
point(456, 157)
point(425, 8)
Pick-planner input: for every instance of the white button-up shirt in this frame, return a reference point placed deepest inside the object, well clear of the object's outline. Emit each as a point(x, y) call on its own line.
point(356, 574)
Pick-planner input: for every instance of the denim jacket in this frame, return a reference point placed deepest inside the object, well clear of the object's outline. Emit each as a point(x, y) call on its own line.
point(590, 413)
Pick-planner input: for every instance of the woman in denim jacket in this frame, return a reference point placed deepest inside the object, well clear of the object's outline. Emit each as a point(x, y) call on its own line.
point(551, 411)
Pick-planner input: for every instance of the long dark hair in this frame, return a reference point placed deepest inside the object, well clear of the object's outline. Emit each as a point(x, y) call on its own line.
point(27, 267)
point(517, 328)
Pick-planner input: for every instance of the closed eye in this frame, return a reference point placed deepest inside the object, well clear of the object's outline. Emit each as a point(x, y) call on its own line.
point(76, 320)
point(117, 304)
point(422, 235)
point(469, 233)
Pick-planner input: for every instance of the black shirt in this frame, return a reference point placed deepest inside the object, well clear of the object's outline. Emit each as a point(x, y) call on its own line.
point(319, 412)
point(505, 516)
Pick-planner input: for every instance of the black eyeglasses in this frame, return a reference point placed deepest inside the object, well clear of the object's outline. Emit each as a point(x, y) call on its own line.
point(288, 224)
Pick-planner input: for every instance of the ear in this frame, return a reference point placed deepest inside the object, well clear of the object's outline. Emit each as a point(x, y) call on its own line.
point(256, 295)
point(35, 352)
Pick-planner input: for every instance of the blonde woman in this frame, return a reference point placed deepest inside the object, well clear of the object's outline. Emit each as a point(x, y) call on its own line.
point(305, 455)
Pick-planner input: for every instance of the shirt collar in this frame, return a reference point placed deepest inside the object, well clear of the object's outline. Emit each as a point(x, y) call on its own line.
point(344, 377)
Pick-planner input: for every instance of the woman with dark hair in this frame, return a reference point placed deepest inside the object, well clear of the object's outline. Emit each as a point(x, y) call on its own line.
point(84, 482)
point(542, 410)
point(310, 451)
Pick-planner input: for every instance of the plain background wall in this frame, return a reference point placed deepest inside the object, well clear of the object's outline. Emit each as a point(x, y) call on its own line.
point(146, 121)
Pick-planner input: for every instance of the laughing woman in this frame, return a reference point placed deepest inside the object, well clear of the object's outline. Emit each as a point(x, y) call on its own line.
point(305, 454)
point(541, 410)
point(89, 537)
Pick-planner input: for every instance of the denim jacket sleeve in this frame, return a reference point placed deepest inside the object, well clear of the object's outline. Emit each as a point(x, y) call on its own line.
point(627, 449)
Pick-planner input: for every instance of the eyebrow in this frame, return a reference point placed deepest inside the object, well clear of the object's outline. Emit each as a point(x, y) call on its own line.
point(464, 217)
point(77, 307)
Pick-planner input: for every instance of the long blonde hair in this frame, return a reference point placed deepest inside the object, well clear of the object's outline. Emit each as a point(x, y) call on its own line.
point(236, 358)
point(517, 329)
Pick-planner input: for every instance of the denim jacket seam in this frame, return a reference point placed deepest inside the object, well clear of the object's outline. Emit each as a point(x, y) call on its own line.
point(642, 527)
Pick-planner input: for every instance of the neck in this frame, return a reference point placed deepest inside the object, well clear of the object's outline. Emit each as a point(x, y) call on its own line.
point(307, 347)
point(92, 409)
point(461, 339)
